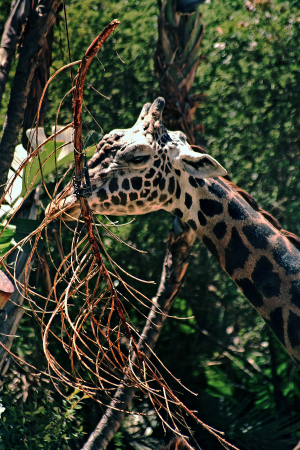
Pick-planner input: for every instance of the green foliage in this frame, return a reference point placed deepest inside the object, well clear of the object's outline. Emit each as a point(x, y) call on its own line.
point(4, 13)
point(251, 428)
point(48, 160)
point(123, 70)
point(251, 116)
point(14, 232)
point(39, 422)
point(180, 51)
point(7, 237)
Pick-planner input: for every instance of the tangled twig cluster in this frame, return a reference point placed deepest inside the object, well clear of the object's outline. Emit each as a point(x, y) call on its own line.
point(83, 312)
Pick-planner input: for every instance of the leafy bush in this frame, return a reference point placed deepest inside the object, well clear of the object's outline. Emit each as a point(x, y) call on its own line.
point(39, 421)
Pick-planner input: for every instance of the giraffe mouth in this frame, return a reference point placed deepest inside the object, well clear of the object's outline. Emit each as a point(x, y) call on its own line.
point(66, 209)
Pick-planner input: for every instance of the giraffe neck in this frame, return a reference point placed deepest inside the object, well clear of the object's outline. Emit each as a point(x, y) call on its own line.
point(258, 256)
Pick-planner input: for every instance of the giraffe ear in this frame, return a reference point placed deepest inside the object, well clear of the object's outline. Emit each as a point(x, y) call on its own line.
point(201, 166)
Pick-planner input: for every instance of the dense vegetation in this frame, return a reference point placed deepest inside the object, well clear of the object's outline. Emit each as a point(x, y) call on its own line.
point(246, 384)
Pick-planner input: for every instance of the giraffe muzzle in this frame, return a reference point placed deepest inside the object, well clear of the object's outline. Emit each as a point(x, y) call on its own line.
point(67, 208)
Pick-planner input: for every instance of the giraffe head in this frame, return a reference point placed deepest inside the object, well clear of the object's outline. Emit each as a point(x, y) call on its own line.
point(136, 171)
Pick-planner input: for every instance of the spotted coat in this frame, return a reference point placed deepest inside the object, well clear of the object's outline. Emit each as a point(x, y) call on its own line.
point(147, 168)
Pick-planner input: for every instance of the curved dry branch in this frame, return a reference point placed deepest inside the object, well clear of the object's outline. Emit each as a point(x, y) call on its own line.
point(79, 162)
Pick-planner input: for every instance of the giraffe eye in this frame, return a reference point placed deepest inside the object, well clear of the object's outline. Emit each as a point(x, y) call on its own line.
point(139, 159)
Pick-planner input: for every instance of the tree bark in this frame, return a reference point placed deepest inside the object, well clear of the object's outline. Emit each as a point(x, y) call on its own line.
point(38, 61)
point(40, 22)
point(39, 81)
point(12, 31)
point(175, 64)
point(174, 268)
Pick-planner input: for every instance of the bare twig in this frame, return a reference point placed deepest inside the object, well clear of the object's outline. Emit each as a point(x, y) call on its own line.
point(174, 268)
point(45, 270)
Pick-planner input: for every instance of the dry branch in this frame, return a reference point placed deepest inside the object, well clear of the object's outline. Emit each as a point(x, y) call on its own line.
point(40, 21)
point(79, 163)
point(141, 353)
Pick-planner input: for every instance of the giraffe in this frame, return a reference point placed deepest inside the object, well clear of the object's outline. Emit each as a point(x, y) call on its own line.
point(147, 168)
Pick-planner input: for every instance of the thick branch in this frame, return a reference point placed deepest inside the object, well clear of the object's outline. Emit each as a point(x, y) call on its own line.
point(174, 269)
point(40, 22)
point(18, 14)
point(79, 164)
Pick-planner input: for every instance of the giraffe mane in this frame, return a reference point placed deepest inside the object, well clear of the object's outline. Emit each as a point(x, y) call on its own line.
point(149, 122)
point(293, 238)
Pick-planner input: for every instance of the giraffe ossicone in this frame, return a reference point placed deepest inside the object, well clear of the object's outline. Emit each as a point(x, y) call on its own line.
point(147, 168)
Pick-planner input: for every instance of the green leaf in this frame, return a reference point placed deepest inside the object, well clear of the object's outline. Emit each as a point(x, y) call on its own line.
point(195, 33)
point(32, 175)
point(219, 385)
point(171, 13)
point(7, 237)
point(17, 230)
point(41, 409)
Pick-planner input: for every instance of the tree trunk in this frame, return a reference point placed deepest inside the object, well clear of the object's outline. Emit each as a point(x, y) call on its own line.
point(40, 21)
point(174, 268)
point(38, 56)
point(175, 63)
point(41, 76)
point(12, 31)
